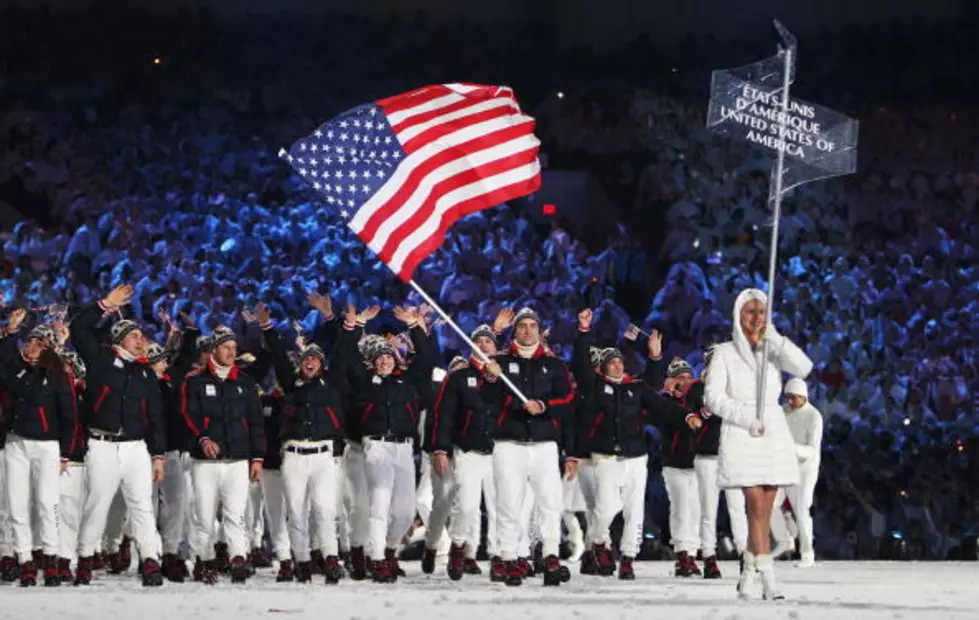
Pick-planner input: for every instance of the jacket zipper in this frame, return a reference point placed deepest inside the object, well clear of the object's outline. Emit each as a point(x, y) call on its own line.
point(44, 420)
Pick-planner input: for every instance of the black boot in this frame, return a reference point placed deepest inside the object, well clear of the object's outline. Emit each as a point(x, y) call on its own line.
point(28, 574)
point(286, 573)
point(51, 576)
point(456, 561)
point(358, 564)
point(332, 569)
point(152, 576)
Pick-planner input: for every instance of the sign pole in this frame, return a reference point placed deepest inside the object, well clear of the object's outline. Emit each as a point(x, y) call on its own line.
point(775, 197)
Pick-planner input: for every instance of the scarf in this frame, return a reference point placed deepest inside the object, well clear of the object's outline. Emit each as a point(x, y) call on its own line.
point(526, 352)
point(124, 354)
point(220, 371)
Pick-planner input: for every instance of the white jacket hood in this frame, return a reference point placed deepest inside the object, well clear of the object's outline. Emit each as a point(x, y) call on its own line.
point(740, 341)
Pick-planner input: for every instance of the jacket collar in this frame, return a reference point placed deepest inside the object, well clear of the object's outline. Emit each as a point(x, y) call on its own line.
point(232, 374)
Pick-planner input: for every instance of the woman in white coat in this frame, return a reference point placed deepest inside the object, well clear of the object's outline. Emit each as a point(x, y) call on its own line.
point(756, 455)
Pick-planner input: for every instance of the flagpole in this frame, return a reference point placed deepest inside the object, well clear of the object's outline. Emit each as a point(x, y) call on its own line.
point(482, 356)
point(775, 195)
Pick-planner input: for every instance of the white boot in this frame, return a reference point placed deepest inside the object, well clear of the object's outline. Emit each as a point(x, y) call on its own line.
point(766, 571)
point(808, 560)
point(747, 579)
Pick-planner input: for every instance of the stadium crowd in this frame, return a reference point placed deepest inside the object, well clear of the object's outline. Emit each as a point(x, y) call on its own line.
point(153, 162)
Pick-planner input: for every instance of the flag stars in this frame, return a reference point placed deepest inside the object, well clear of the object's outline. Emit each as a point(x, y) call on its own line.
point(318, 133)
point(344, 137)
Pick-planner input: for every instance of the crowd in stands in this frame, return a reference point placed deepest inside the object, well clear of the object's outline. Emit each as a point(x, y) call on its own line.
point(149, 157)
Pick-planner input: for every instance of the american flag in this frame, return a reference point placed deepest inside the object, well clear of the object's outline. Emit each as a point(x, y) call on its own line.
point(400, 171)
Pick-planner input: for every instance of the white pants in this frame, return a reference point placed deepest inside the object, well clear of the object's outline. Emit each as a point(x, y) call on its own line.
point(800, 496)
point(390, 471)
point(227, 483)
point(355, 495)
point(32, 472)
point(530, 532)
point(588, 483)
point(6, 536)
point(621, 482)
point(343, 519)
point(472, 477)
point(443, 495)
point(681, 486)
point(111, 467)
point(73, 491)
point(311, 489)
point(706, 468)
point(515, 465)
point(174, 501)
point(255, 516)
point(276, 513)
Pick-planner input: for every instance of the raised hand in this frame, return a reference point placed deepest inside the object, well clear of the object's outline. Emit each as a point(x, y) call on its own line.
point(369, 314)
point(262, 314)
point(584, 319)
point(322, 303)
point(408, 316)
point(119, 296)
point(631, 333)
point(655, 345)
point(16, 318)
point(503, 320)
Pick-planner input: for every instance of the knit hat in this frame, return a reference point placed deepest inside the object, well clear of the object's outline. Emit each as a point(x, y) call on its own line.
point(677, 367)
point(607, 355)
point(797, 386)
point(155, 353)
point(457, 362)
point(594, 356)
point(483, 330)
point(76, 363)
point(121, 329)
point(221, 335)
point(203, 344)
point(374, 346)
point(43, 333)
point(526, 313)
point(313, 350)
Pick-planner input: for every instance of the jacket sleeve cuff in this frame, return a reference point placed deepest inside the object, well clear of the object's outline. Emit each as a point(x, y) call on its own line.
point(104, 307)
point(571, 459)
point(349, 326)
point(265, 326)
point(440, 451)
point(159, 457)
point(202, 439)
point(583, 330)
point(258, 460)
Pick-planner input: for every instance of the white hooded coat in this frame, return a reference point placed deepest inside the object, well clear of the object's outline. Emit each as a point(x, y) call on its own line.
point(730, 392)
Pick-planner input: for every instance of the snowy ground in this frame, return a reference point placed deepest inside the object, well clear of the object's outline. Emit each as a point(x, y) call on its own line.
point(864, 591)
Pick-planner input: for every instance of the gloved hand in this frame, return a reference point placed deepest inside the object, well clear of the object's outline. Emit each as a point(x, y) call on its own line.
point(772, 336)
point(756, 428)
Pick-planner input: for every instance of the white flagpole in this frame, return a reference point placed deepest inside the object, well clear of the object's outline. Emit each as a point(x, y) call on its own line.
point(775, 195)
point(465, 337)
